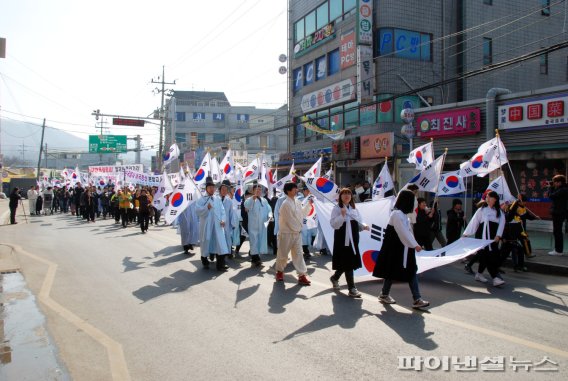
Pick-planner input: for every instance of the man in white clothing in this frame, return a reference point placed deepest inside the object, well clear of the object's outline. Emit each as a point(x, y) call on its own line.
point(32, 198)
point(290, 221)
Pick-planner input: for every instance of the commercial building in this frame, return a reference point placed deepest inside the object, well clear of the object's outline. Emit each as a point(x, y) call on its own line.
point(355, 64)
point(203, 120)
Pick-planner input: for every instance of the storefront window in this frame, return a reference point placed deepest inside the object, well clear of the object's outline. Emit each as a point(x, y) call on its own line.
point(351, 115)
point(336, 118)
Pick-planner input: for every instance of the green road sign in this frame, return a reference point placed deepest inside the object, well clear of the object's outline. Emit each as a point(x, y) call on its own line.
point(107, 143)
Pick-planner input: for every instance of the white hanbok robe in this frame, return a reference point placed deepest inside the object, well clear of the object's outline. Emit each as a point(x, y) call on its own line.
point(259, 212)
point(211, 233)
point(277, 213)
point(230, 220)
point(188, 227)
point(32, 199)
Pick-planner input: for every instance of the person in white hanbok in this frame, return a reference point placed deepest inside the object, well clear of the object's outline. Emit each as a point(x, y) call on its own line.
point(229, 213)
point(259, 214)
point(212, 221)
point(32, 198)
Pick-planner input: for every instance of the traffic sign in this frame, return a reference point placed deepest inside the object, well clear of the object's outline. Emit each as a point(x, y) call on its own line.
point(107, 143)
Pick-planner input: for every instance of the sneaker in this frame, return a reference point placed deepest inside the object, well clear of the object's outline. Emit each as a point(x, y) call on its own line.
point(498, 281)
point(480, 278)
point(468, 269)
point(279, 276)
point(386, 299)
point(354, 293)
point(303, 280)
point(524, 269)
point(420, 303)
point(334, 283)
point(554, 252)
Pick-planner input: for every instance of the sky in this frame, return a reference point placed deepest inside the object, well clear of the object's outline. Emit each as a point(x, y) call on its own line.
point(66, 58)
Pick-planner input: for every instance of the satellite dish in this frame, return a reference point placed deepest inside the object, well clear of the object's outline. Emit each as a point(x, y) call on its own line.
point(282, 70)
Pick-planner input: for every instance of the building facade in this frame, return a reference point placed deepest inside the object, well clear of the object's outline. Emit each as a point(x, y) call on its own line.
point(354, 65)
point(202, 120)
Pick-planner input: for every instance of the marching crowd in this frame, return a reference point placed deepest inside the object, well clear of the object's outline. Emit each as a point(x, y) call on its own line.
point(219, 226)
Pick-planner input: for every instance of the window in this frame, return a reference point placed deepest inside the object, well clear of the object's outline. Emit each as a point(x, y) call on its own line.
point(349, 5)
point(309, 73)
point(200, 139)
point(368, 115)
point(322, 16)
point(333, 62)
point(335, 9)
point(298, 76)
point(180, 116)
point(544, 63)
point(487, 51)
point(298, 131)
point(488, 2)
point(181, 138)
point(404, 43)
point(310, 23)
point(311, 118)
point(351, 115)
point(323, 120)
point(321, 68)
point(545, 7)
point(212, 103)
point(299, 31)
point(336, 118)
point(218, 138)
point(264, 141)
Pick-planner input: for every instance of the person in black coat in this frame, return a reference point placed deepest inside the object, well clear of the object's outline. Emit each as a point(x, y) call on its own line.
point(559, 196)
point(456, 221)
point(424, 219)
point(346, 221)
point(397, 259)
point(13, 204)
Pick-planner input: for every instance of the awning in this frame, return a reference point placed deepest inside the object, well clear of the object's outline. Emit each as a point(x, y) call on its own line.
point(359, 164)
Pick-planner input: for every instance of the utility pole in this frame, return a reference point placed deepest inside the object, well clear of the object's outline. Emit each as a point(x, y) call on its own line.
point(138, 148)
point(40, 148)
point(45, 153)
point(163, 82)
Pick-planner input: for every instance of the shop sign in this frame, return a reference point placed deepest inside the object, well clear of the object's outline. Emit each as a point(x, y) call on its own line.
point(365, 22)
point(450, 123)
point(347, 49)
point(339, 92)
point(537, 112)
point(376, 146)
point(365, 74)
point(345, 149)
point(304, 156)
point(323, 34)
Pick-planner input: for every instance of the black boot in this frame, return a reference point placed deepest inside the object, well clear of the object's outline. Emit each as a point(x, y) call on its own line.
point(256, 262)
point(212, 257)
point(205, 262)
point(221, 266)
point(307, 254)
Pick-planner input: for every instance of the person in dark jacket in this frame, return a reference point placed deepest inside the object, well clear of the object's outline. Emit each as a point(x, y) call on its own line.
point(346, 221)
point(397, 259)
point(14, 201)
point(144, 203)
point(456, 221)
point(559, 196)
point(423, 223)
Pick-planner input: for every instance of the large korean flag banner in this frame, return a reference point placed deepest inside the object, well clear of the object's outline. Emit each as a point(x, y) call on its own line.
point(204, 170)
point(183, 195)
point(376, 214)
point(422, 156)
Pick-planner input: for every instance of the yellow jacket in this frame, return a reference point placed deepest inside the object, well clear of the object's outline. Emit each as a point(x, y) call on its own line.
point(124, 200)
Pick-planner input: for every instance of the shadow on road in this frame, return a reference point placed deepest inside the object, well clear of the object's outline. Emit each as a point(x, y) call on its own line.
point(281, 296)
point(168, 250)
point(240, 277)
point(346, 313)
point(409, 326)
point(129, 265)
point(172, 259)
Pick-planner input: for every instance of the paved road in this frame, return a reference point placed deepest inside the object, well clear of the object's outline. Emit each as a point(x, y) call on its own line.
point(121, 305)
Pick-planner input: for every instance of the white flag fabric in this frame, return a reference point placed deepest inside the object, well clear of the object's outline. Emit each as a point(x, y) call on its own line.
point(422, 156)
point(427, 180)
point(500, 186)
point(376, 214)
point(311, 220)
point(322, 188)
point(215, 170)
point(382, 184)
point(182, 196)
point(451, 183)
point(263, 174)
point(228, 167)
point(490, 156)
point(239, 189)
point(75, 177)
point(172, 154)
point(203, 171)
point(165, 188)
point(315, 170)
point(279, 185)
point(252, 171)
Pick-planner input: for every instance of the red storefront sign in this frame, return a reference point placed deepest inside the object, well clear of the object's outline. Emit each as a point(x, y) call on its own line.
point(450, 123)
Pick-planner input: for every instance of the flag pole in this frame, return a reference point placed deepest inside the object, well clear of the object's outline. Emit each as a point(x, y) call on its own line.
point(508, 165)
point(441, 170)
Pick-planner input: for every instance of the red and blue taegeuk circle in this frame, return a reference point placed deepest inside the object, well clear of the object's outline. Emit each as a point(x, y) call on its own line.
point(238, 197)
point(370, 259)
point(477, 161)
point(227, 168)
point(167, 156)
point(379, 184)
point(419, 157)
point(452, 181)
point(415, 178)
point(177, 199)
point(248, 173)
point(199, 175)
point(324, 185)
point(101, 182)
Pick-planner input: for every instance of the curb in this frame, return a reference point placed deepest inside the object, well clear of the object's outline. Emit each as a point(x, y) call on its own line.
point(541, 267)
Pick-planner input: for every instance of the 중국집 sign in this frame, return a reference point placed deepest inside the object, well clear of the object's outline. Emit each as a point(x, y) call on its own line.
point(536, 112)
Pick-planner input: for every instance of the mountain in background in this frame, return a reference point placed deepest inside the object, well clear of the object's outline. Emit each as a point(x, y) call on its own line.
point(22, 140)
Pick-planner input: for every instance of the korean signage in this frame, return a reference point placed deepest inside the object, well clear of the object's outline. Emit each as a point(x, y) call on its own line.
point(337, 93)
point(346, 149)
point(347, 49)
point(104, 170)
point(538, 112)
point(218, 117)
point(466, 121)
point(323, 34)
point(107, 143)
point(365, 22)
point(376, 146)
point(199, 117)
point(365, 77)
